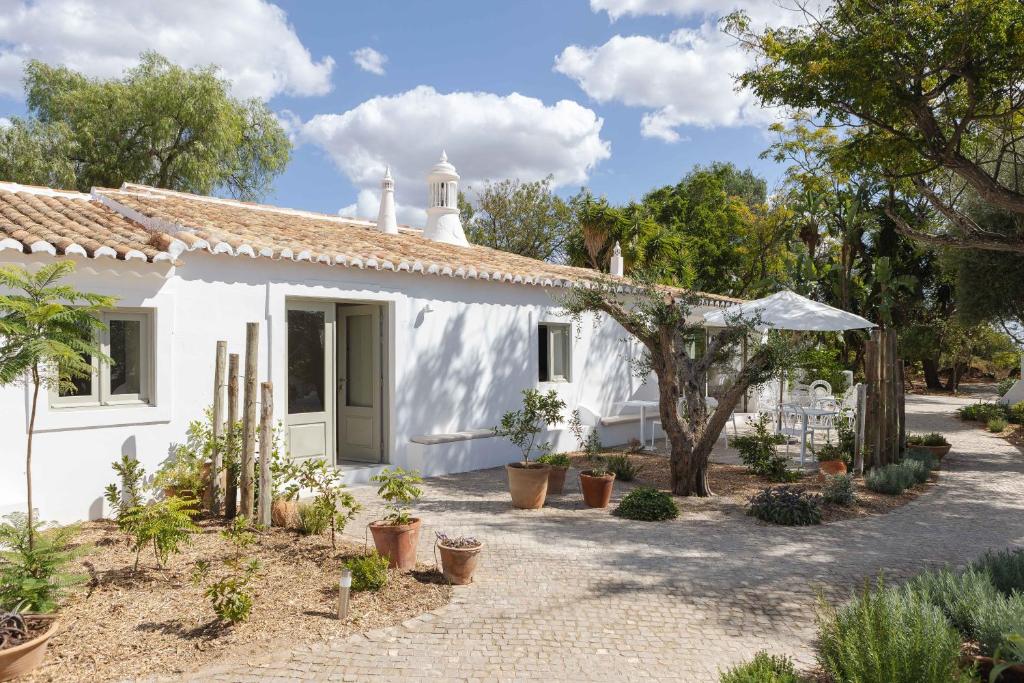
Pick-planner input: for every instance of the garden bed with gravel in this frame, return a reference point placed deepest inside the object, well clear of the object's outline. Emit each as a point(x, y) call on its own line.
point(126, 624)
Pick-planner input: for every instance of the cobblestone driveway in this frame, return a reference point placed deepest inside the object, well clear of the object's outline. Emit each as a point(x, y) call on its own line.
point(570, 594)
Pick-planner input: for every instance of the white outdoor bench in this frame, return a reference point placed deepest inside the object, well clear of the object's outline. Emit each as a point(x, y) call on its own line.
point(612, 420)
point(466, 435)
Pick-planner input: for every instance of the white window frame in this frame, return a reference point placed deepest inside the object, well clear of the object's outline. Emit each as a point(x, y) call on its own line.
point(549, 328)
point(101, 393)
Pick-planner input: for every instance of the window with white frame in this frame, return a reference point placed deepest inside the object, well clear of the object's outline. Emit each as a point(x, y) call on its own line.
point(127, 340)
point(555, 352)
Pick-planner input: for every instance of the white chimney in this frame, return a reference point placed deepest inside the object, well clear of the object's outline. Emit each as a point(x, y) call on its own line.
point(443, 223)
point(617, 266)
point(386, 216)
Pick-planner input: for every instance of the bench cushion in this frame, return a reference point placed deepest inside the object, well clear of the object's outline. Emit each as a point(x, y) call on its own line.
point(612, 420)
point(434, 439)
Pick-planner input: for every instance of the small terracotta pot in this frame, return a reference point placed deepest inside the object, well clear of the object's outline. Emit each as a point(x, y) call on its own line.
point(937, 451)
point(597, 491)
point(284, 513)
point(21, 659)
point(831, 467)
point(458, 564)
point(397, 542)
point(528, 484)
point(556, 479)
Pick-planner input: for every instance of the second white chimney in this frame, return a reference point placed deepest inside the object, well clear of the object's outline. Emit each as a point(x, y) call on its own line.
point(386, 221)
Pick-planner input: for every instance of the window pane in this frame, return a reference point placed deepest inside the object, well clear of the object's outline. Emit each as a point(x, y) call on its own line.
point(359, 361)
point(126, 352)
point(559, 352)
point(305, 362)
point(83, 385)
point(542, 350)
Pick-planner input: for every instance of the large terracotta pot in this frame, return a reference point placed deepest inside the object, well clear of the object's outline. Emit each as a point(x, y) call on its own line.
point(284, 513)
point(831, 467)
point(597, 491)
point(18, 661)
point(458, 564)
point(528, 484)
point(556, 479)
point(397, 542)
point(937, 451)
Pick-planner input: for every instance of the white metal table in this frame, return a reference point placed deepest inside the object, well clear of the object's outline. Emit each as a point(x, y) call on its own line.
point(643, 406)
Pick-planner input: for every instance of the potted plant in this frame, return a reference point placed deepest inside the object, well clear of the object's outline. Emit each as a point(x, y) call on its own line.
point(596, 485)
point(528, 481)
point(397, 535)
point(459, 557)
point(934, 442)
point(831, 460)
point(559, 464)
point(284, 496)
point(23, 640)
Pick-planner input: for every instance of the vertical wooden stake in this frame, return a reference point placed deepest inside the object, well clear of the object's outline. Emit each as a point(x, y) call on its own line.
point(252, 340)
point(231, 490)
point(219, 368)
point(901, 406)
point(266, 446)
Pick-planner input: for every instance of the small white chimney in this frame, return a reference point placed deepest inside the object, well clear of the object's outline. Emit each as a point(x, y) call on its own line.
point(443, 223)
point(386, 221)
point(617, 265)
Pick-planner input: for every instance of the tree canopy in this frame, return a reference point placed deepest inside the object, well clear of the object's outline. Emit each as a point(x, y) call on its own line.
point(524, 218)
point(160, 125)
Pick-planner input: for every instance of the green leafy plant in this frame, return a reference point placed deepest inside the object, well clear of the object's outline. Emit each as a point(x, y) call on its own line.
point(555, 460)
point(923, 456)
point(982, 412)
point(313, 519)
point(183, 471)
point(1015, 414)
point(787, 505)
point(839, 490)
point(230, 594)
point(622, 467)
point(647, 504)
point(48, 338)
point(34, 575)
point(1010, 654)
point(590, 443)
point(522, 426)
point(398, 487)
point(829, 452)
point(888, 635)
point(133, 488)
point(929, 439)
point(763, 668)
point(1005, 568)
point(332, 500)
point(759, 453)
point(1004, 386)
point(891, 479)
point(997, 424)
point(165, 524)
point(369, 572)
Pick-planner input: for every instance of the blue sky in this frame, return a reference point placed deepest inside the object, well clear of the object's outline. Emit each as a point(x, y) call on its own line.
point(619, 95)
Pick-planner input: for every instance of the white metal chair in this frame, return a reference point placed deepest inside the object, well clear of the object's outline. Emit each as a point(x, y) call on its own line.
point(820, 388)
point(799, 394)
point(794, 424)
point(826, 422)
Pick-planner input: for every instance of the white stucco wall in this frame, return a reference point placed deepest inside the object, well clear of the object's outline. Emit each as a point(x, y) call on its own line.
point(458, 366)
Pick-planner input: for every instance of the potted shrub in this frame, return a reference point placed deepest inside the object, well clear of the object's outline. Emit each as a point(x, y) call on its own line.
point(528, 481)
point(831, 460)
point(397, 535)
point(934, 442)
point(23, 646)
point(459, 557)
point(559, 464)
point(596, 485)
point(284, 498)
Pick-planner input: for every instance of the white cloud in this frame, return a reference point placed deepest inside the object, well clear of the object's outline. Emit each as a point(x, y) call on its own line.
point(487, 137)
point(367, 205)
point(368, 59)
point(251, 40)
point(5, 122)
point(762, 11)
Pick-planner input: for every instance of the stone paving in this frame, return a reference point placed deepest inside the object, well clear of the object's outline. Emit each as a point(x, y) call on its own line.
point(572, 594)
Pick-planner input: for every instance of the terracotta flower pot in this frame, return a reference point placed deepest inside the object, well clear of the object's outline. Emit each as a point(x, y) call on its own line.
point(528, 484)
point(284, 513)
point(21, 659)
point(597, 491)
point(937, 451)
point(397, 542)
point(556, 479)
point(458, 564)
point(831, 467)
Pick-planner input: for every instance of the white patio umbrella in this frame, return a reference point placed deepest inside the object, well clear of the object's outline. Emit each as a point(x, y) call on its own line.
point(787, 310)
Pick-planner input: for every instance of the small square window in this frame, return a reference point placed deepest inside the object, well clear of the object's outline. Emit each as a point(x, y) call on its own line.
point(554, 352)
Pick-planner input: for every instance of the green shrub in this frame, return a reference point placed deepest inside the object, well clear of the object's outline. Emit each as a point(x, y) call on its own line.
point(763, 668)
point(36, 579)
point(758, 451)
point(839, 490)
point(369, 572)
point(165, 524)
point(917, 470)
point(1016, 413)
point(891, 479)
point(923, 456)
point(647, 504)
point(888, 635)
point(314, 519)
point(230, 595)
point(1005, 567)
point(622, 467)
point(997, 620)
point(930, 439)
point(555, 460)
point(997, 424)
point(788, 505)
point(333, 504)
point(982, 412)
point(1004, 386)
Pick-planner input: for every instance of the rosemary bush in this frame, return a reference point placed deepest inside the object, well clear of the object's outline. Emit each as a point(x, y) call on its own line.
point(622, 467)
point(763, 668)
point(1004, 567)
point(839, 490)
point(369, 572)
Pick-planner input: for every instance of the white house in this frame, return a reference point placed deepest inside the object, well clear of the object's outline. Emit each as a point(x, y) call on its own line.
point(385, 345)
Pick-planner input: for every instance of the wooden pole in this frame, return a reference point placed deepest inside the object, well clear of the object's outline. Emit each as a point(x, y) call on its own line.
point(231, 490)
point(862, 408)
point(266, 446)
point(252, 340)
point(219, 369)
point(871, 402)
point(901, 405)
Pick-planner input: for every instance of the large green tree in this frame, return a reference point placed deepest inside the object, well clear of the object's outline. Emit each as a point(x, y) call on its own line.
point(931, 93)
point(524, 218)
point(160, 125)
